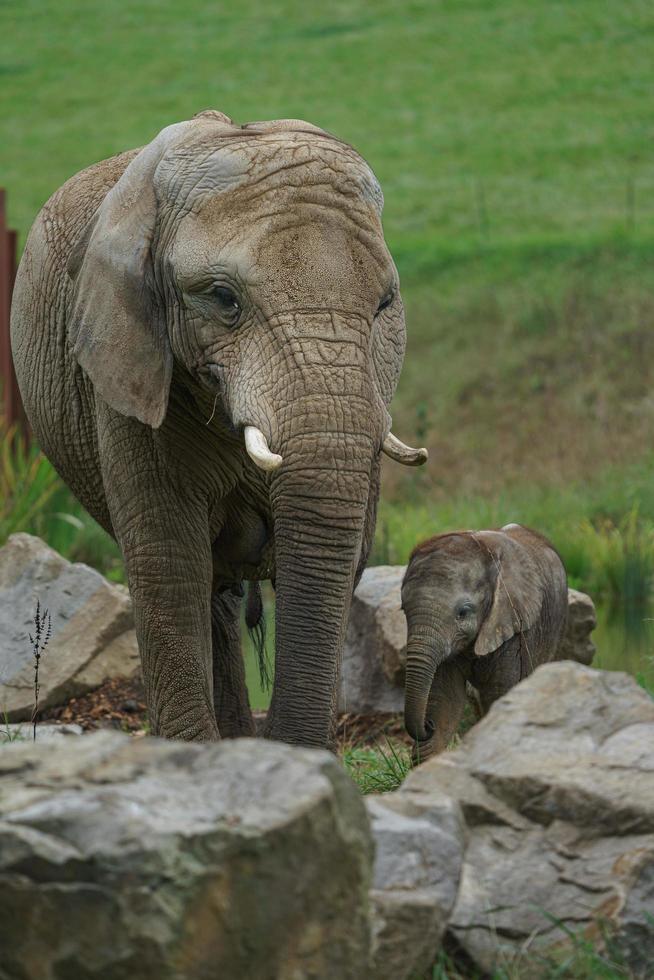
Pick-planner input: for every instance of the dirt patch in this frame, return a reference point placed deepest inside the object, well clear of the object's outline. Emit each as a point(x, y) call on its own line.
point(116, 704)
point(120, 704)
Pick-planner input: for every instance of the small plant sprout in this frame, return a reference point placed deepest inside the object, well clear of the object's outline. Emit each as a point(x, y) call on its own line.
point(42, 632)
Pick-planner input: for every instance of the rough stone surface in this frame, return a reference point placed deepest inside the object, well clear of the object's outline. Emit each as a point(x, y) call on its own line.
point(24, 732)
point(372, 672)
point(92, 627)
point(556, 786)
point(576, 643)
point(419, 841)
point(173, 861)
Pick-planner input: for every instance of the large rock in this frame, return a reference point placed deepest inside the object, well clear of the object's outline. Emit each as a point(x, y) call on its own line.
point(372, 672)
point(172, 861)
point(576, 643)
point(419, 843)
point(374, 659)
point(556, 785)
point(24, 732)
point(92, 627)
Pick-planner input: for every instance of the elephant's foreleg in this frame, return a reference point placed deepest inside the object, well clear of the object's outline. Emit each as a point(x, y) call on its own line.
point(494, 676)
point(173, 627)
point(230, 693)
point(445, 707)
point(164, 536)
point(169, 573)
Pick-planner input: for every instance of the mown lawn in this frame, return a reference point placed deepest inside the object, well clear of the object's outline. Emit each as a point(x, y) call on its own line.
point(504, 121)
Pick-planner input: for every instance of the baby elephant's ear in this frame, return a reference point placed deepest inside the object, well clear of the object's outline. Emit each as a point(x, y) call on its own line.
point(518, 591)
point(116, 331)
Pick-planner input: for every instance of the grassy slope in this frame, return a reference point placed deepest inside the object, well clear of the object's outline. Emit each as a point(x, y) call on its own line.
point(520, 123)
point(512, 141)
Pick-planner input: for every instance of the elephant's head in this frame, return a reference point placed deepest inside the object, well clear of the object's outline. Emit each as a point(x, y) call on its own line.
point(465, 593)
point(250, 260)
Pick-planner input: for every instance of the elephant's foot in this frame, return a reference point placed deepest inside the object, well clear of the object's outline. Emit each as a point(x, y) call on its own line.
point(190, 726)
point(236, 722)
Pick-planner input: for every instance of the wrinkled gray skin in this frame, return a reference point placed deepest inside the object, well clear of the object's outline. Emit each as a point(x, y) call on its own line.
point(484, 607)
point(222, 276)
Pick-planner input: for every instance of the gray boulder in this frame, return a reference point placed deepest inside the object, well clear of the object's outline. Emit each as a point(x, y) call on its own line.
point(556, 786)
point(92, 627)
point(576, 643)
point(24, 732)
point(419, 843)
point(123, 858)
point(372, 672)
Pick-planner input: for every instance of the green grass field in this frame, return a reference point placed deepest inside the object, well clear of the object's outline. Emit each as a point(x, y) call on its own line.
point(503, 122)
point(513, 144)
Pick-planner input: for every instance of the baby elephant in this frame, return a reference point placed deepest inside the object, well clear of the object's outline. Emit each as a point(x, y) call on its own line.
point(481, 606)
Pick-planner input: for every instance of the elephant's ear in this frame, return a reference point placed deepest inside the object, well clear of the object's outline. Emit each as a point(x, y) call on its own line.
point(117, 332)
point(518, 591)
point(388, 346)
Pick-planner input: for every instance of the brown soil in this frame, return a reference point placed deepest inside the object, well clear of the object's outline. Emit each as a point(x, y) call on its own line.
point(120, 704)
point(116, 704)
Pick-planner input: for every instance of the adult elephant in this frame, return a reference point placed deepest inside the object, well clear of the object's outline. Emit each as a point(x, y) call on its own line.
point(207, 333)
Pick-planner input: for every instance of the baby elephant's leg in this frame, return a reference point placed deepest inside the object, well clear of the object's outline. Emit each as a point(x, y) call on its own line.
point(447, 701)
point(230, 693)
point(495, 675)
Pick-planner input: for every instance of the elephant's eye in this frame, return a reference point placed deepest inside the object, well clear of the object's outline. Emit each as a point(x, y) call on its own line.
point(386, 301)
point(230, 308)
point(464, 611)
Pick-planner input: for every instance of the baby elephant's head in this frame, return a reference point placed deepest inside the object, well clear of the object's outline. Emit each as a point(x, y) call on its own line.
point(467, 593)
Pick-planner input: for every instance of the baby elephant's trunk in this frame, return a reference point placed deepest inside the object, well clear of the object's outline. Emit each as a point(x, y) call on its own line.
point(424, 653)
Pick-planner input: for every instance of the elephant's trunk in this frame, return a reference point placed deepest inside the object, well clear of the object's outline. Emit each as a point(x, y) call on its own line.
point(425, 651)
point(319, 517)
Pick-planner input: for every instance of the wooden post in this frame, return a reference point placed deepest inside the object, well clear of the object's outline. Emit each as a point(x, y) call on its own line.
point(12, 406)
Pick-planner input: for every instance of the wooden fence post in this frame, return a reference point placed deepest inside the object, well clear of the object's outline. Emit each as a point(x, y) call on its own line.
point(12, 407)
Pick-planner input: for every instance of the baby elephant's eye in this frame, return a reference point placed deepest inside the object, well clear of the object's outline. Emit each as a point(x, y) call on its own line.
point(230, 308)
point(464, 611)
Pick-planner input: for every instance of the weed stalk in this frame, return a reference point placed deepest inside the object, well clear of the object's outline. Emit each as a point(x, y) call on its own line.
point(42, 633)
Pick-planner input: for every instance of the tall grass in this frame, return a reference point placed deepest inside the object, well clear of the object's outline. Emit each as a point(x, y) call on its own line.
point(28, 483)
point(577, 958)
point(604, 531)
point(378, 768)
point(34, 500)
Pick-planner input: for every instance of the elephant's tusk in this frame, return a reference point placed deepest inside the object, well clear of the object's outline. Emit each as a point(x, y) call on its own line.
point(258, 451)
point(403, 454)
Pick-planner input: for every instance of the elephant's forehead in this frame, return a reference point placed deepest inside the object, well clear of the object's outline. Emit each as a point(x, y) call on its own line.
point(261, 165)
point(296, 253)
point(450, 569)
point(303, 230)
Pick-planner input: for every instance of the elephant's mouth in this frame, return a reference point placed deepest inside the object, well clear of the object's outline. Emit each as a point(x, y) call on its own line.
point(260, 453)
point(421, 734)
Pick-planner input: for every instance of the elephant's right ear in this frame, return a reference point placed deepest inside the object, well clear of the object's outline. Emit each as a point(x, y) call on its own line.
point(117, 331)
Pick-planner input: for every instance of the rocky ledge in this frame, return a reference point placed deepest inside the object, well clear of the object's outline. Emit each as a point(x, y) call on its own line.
point(145, 858)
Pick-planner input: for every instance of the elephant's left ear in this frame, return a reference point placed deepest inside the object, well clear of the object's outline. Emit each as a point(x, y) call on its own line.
point(388, 346)
point(518, 594)
point(116, 330)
